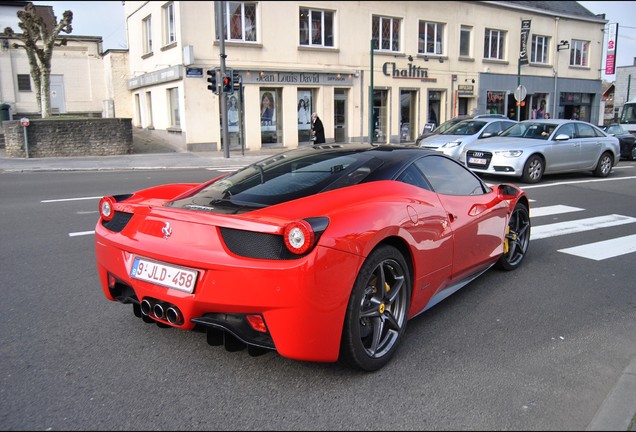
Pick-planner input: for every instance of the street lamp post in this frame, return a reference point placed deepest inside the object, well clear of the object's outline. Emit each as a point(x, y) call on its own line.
point(560, 46)
point(371, 125)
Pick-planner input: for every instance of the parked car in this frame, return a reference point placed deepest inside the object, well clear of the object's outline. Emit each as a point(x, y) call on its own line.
point(625, 139)
point(452, 141)
point(533, 148)
point(441, 128)
point(321, 253)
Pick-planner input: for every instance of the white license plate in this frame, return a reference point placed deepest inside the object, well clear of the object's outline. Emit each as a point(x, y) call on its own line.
point(477, 161)
point(179, 278)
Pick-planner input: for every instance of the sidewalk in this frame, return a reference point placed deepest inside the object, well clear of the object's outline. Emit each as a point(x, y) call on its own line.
point(147, 154)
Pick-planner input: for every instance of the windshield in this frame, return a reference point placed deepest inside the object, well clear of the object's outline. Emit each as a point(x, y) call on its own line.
point(282, 178)
point(628, 116)
point(466, 127)
point(539, 131)
point(446, 126)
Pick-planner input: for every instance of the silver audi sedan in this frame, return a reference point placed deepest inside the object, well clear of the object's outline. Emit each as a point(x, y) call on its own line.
point(532, 148)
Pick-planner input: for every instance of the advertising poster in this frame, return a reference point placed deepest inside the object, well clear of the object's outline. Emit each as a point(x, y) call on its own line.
point(304, 109)
point(268, 111)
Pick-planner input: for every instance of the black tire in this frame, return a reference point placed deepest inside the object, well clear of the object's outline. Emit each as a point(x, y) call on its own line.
point(517, 238)
point(604, 165)
point(533, 169)
point(632, 154)
point(376, 318)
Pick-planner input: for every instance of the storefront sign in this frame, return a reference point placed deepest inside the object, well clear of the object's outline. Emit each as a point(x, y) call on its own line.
point(523, 50)
point(465, 89)
point(297, 78)
point(610, 60)
point(164, 75)
point(390, 69)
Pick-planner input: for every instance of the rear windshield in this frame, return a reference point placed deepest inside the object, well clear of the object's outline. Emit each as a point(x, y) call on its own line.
point(284, 178)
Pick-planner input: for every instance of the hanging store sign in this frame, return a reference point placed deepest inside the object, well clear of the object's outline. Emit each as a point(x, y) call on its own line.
point(465, 90)
point(525, 34)
point(610, 59)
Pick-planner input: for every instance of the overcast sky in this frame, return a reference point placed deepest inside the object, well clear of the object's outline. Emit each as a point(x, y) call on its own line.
point(106, 19)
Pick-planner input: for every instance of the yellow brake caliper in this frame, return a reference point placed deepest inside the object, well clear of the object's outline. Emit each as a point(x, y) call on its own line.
point(506, 239)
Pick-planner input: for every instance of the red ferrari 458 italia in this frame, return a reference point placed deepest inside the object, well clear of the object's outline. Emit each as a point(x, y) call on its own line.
point(321, 253)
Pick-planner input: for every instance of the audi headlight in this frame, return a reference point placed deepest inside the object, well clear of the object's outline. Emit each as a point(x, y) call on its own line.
point(510, 153)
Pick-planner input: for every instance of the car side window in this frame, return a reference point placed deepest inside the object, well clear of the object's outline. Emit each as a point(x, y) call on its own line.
point(585, 131)
point(567, 129)
point(449, 177)
point(413, 176)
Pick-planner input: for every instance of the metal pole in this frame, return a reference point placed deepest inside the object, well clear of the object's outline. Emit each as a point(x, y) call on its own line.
point(371, 125)
point(26, 142)
point(518, 84)
point(220, 24)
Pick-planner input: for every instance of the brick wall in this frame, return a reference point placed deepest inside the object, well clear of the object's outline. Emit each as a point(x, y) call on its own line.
point(69, 137)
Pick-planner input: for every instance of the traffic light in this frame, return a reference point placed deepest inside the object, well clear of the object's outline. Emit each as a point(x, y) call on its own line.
point(213, 84)
point(226, 83)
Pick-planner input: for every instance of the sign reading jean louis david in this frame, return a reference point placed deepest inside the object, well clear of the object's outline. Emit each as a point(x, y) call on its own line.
point(523, 50)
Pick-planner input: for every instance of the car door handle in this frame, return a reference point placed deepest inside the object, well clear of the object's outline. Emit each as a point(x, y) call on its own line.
point(452, 217)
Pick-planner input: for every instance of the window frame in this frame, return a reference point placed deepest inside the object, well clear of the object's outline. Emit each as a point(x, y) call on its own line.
point(438, 37)
point(21, 80)
point(500, 36)
point(393, 39)
point(583, 47)
point(146, 24)
point(327, 18)
point(539, 53)
point(174, 112)
point(469, 30)
point(169, 23)
point(248, 35)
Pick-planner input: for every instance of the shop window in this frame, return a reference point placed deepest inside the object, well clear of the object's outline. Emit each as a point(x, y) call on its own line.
point(169, 32)
point(539, 52)
point(271, 109)
point(494, 44)
point(173, 106)
point(316, 27)
point(431, 36)
point(579, 53)
point(304, 106)
point(386, 33)
point(495, 102)
point(24, 82)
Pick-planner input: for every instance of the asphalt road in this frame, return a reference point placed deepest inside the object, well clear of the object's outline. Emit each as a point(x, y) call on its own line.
point(540, 348)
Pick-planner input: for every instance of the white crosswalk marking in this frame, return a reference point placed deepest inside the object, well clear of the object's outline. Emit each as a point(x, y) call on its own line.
point(604, 249)
point(552, 210)
point(580, 225)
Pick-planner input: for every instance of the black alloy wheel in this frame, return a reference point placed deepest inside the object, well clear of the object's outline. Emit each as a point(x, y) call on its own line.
point(517, 238)
point(377, 312)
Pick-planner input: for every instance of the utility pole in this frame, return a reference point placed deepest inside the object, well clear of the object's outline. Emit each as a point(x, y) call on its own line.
point(220, 24)
point(371, 123)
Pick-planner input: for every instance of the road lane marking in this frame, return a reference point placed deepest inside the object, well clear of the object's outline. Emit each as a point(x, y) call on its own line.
point(81, 233)
point(552, 210)
point(604, 249)
point(577, 182)
point(71, 199)
point(580, 225)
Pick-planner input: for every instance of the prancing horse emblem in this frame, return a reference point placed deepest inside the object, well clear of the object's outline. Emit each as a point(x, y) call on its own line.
point(166, 230)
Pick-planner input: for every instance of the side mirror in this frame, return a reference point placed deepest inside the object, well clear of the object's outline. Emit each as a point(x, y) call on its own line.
point(486, 135)
point(562, 137)
point(507, 192)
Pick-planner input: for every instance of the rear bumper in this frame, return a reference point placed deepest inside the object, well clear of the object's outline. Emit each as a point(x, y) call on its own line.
point(303, 302)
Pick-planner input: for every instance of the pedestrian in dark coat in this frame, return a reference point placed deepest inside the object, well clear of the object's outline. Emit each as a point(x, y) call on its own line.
point(317, 130)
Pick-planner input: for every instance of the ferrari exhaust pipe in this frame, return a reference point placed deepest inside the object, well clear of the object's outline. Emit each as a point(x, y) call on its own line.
point(145, 307)
point(158, 311)
point(172, 315)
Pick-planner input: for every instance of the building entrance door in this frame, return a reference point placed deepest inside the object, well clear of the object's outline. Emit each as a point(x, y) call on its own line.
point(340, 116)
point(58, 105)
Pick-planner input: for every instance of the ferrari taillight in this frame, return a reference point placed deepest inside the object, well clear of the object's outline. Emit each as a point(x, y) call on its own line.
point(299, 237)
point(106, 208)
point(257, 323)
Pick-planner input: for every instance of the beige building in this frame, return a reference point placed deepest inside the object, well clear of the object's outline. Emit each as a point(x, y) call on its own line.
point(78, 78)
point(425, 61)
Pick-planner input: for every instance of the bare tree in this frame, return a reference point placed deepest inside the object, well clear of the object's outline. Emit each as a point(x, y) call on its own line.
point(39, 35)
